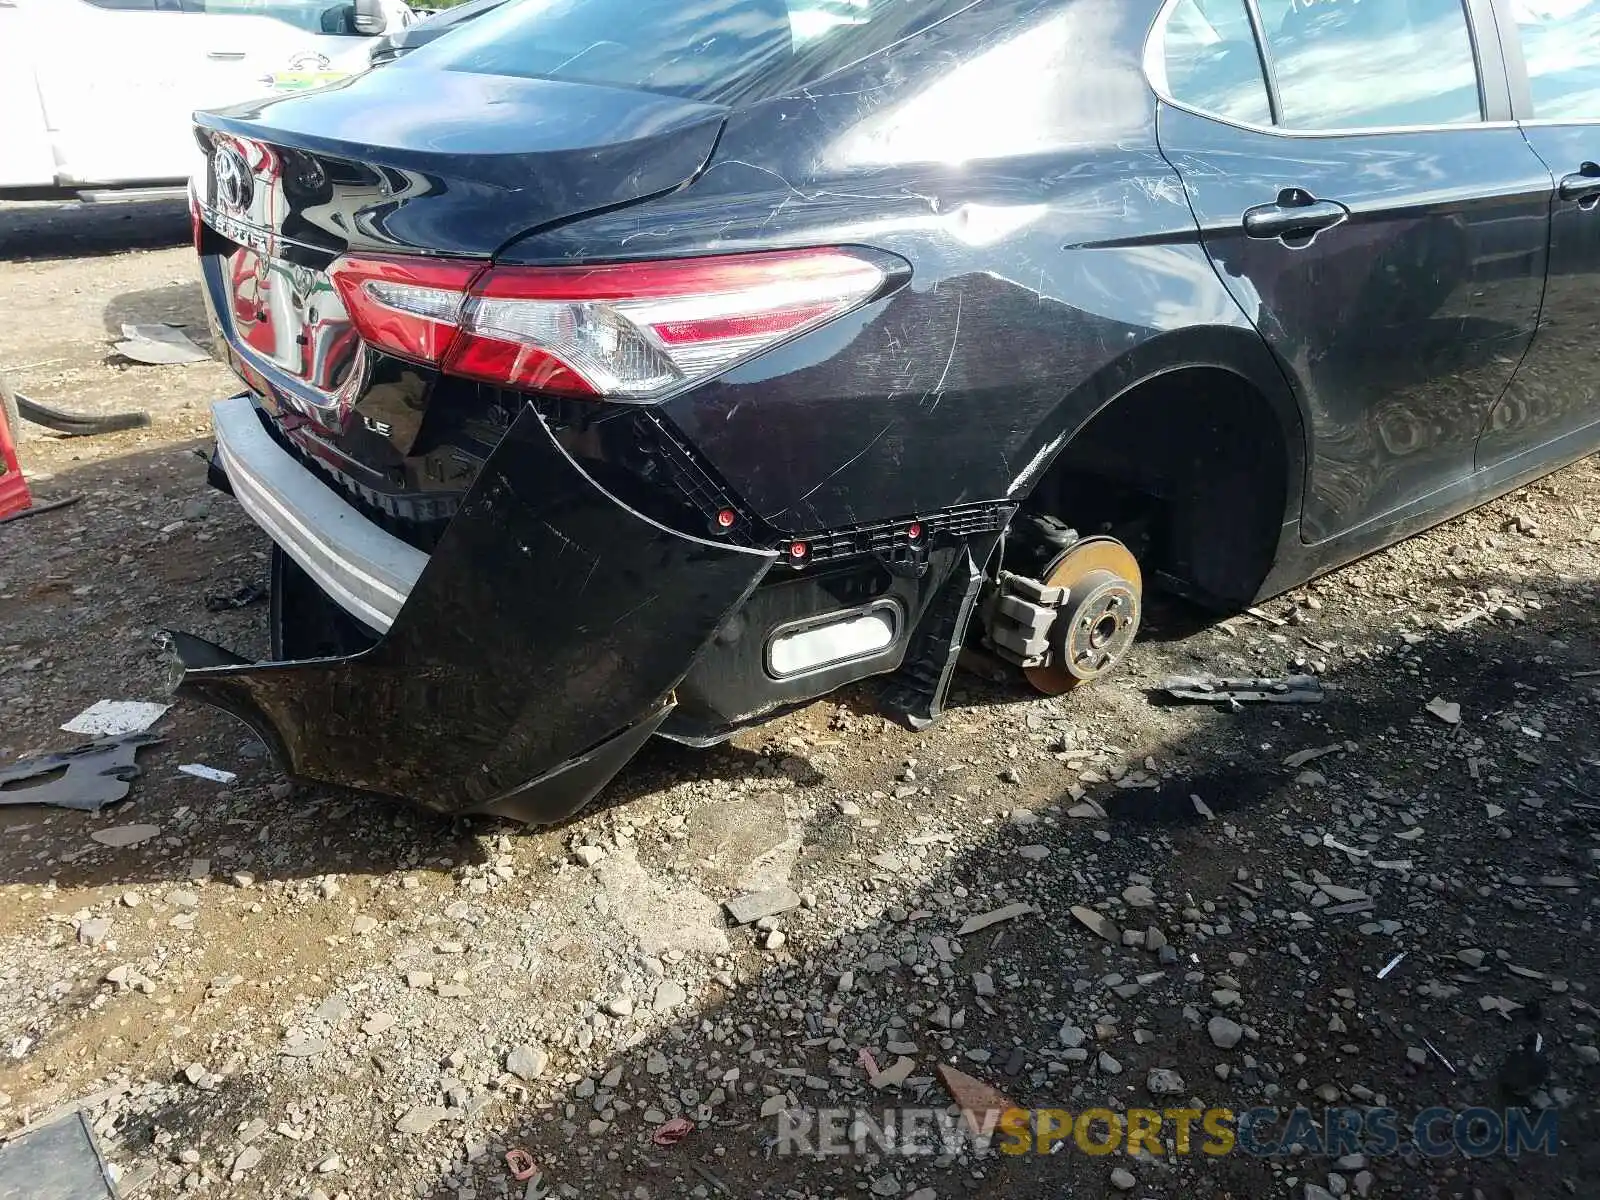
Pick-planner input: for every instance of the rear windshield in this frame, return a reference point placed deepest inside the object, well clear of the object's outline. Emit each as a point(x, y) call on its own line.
point(716, 50)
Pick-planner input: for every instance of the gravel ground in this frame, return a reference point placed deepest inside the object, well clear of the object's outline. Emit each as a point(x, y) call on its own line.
point(280, 992)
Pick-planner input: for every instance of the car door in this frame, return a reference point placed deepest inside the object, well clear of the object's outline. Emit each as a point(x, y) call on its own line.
point(260, 47)
point(27, 158)
point(1370, 205)
point(1552, 407)
point(116, 78)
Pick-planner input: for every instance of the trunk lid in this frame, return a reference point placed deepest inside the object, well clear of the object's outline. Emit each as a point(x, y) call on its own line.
point(407, 161)
point(417, 160)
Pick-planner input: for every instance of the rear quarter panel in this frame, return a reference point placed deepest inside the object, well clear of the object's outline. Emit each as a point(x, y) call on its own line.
point(1009, 155)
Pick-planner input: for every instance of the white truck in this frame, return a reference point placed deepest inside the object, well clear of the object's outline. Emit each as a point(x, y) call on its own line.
point(96, 95)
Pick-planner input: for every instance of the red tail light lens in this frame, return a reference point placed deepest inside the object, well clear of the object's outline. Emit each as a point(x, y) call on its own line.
point(197, 229)
point(633, 331)
point(406, 306)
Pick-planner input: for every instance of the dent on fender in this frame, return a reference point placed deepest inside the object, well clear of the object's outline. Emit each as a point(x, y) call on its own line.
point(538, 650)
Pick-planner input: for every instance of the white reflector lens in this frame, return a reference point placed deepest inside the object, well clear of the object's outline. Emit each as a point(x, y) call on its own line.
point(858, 635)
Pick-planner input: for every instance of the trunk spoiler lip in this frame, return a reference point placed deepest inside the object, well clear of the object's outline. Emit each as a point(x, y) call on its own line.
point(615, 123)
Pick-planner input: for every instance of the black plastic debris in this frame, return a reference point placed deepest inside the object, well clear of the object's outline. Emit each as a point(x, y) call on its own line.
point(78, 424)
point(58, 1161)
point(86, 778)
point(1291, 689)
point(242, 597)
point(1525, 1069)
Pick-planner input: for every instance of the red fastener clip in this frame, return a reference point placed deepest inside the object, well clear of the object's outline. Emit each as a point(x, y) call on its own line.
point(521, 1164)
point(673, 1132)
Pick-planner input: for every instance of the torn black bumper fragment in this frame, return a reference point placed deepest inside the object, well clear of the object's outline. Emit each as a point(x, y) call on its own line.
point(536, 652)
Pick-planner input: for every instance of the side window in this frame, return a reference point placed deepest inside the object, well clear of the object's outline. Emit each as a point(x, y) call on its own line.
point(1361, 64)
point(1561, 42)
point(1212, 62)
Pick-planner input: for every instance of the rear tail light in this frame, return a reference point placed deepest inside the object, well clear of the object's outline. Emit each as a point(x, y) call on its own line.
point(633, 331)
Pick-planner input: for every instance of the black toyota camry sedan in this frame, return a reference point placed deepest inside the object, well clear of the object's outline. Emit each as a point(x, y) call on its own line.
point(628, 368)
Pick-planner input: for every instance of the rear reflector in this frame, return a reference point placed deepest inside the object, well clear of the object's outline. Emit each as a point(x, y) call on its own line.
point(632, 331)
point(844, 639)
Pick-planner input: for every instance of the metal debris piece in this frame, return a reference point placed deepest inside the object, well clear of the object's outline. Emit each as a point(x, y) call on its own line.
point(1439, 1054)
point(1291, 689)
point(1389, 966)
point(521, 1164)
point(1447, 711)
point(672, 1132)
point(113, 718)
point(96, 774)
point(214, 774)
point(159, 346)
point(242, 597)
point(59, 1160)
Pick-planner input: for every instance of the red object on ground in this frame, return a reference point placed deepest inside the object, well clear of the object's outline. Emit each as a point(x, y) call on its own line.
point(521, 1164)
point(673, 1132)
point(14, 497)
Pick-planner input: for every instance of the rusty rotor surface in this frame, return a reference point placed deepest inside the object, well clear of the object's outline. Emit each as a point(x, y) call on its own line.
point(1100, 619)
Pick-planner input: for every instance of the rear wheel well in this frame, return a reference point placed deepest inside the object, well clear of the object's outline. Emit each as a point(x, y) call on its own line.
point(1190, 470)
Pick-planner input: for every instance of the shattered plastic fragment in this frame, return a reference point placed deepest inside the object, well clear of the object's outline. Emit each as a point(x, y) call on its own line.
point(96, 774)
point(1291, 689)
point(242, 597)
point(159, 346)
point(1446, 710)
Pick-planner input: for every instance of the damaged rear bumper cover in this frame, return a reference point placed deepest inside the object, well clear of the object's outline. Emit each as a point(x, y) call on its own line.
point(520, 665)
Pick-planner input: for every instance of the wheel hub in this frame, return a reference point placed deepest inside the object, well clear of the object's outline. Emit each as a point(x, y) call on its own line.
point(1100, 619)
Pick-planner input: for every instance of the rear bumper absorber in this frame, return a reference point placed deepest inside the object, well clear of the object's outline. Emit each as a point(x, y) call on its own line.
point(520, 665)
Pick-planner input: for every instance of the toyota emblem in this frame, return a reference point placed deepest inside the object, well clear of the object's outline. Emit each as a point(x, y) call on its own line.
point(234, 180)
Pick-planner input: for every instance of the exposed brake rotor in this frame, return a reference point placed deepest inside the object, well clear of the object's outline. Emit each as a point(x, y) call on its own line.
point(1100, 618)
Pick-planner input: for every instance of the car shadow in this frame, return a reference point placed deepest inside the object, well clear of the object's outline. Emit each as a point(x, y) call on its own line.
point(798, 1029)
point(795, 1029)
point(179, 304)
